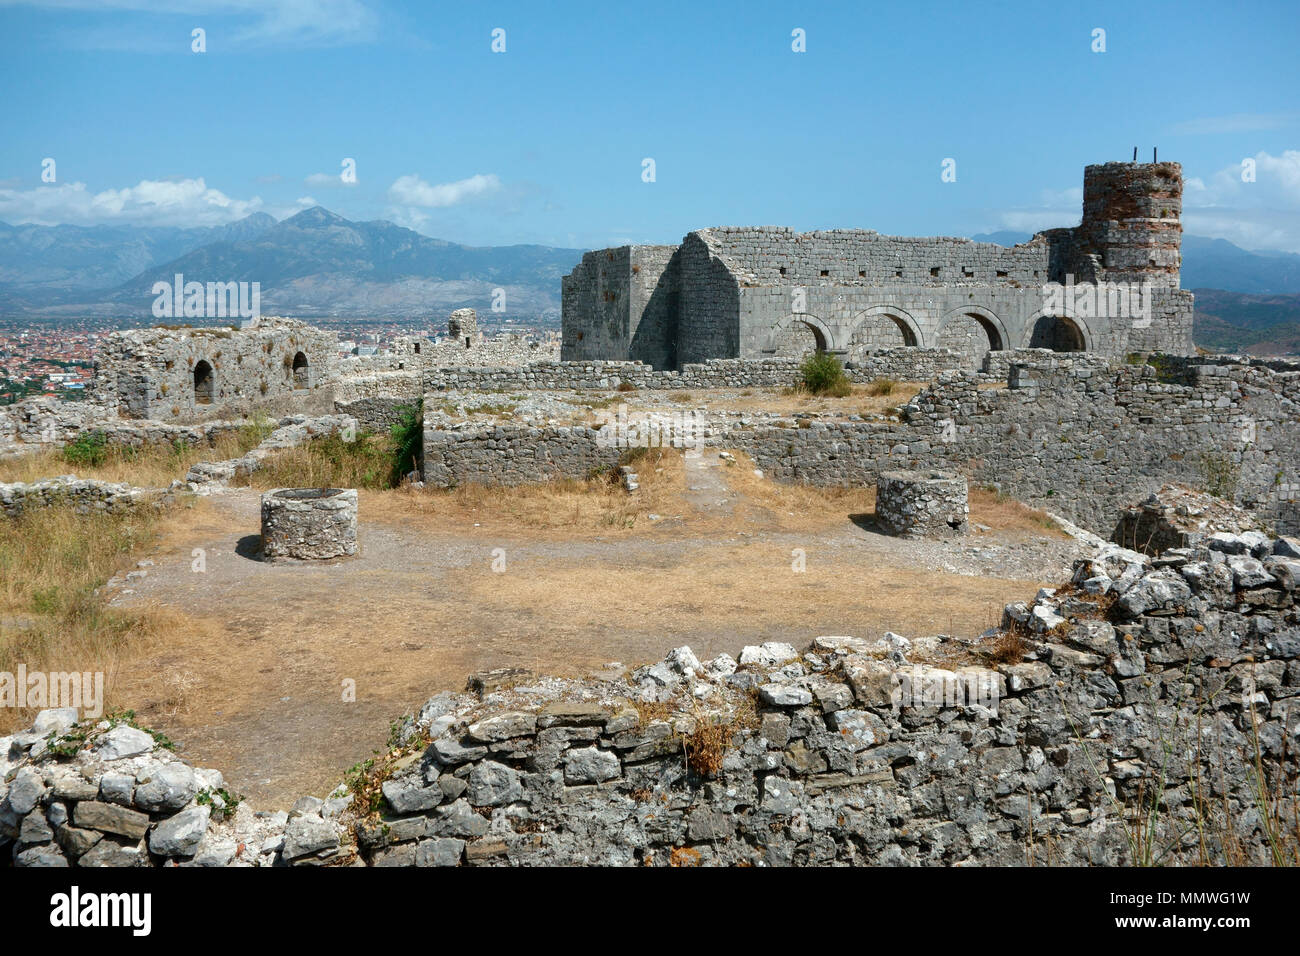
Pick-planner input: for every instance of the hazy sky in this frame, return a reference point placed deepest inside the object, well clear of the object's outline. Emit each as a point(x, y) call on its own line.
point(545, 142)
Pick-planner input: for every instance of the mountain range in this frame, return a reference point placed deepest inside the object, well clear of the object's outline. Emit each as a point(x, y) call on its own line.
point(317, 264)
point(311, 265)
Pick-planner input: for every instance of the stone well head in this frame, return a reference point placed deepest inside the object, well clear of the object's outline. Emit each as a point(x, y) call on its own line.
point(922, 504)
point(309, 524)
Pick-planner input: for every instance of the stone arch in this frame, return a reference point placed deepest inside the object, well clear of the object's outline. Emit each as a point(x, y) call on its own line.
point(973, 330)
point(894, 327)
point(802, 333)
point(301, 371)
point(205, 383)
point(1057, 332)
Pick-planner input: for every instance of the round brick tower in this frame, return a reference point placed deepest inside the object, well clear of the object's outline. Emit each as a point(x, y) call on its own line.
point(1131, 220)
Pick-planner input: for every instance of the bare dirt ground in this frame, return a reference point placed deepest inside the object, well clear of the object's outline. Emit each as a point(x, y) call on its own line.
point(258, 690)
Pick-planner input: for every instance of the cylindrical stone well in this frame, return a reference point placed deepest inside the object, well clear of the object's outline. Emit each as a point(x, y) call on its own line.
point(309, 523)
point(922, 504)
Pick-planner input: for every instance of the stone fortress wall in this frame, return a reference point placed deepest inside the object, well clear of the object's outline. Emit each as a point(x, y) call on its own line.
point(748, 292)
point(1075, 434)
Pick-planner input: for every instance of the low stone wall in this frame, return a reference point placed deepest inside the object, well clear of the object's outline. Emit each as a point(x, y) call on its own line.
point(378, 400)
point(1147, 695)
point(901, 364)
point(43, 423)
point(205, 477)
point(513, 455)
point(83, 494)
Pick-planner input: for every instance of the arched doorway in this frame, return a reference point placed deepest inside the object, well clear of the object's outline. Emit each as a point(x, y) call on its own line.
point(972, 332)
point(301, 371)
point(1058, 333)
point(205, 383)
point(798, 337)
point(882, 327)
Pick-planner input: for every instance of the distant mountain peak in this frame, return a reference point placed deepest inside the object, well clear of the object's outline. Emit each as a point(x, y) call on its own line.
point(316, 216)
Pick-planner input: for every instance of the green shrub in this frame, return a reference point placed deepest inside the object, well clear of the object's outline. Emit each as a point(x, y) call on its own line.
point(822, 374)
point(89, 449)
point(1167, 369)
point(1221, 475)
point(408, 439)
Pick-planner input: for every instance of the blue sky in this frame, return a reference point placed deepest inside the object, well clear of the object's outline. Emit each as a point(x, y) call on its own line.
point(546, 141)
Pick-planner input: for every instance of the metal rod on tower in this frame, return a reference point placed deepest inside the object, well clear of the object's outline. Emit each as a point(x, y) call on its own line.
point(1135, 154)
point(1153, 155)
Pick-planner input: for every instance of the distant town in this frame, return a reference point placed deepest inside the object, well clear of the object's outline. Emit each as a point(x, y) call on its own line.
point(57, 357)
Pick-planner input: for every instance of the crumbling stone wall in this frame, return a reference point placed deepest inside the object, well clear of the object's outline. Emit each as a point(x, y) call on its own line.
point(513, 455)
point(190, 374)
point(505, 350)
point(900, 364)
point(1074, 435)
point(85, 495)
point(378, 400)
point(1161, 700)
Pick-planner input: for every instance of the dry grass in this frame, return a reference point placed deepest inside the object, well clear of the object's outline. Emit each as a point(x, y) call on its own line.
point(1006, 514)
point(870, 400)
point(708, 744)
point(1011, 647)
point(151, 466)
point(571, 505)
point(795, 507)
point(51, 562)
point(328, 462)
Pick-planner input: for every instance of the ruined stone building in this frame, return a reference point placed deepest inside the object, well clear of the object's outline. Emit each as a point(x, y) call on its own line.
point(465, 345)
point(751, 292)
point(186, 374)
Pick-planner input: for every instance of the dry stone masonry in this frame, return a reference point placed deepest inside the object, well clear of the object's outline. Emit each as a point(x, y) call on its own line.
point(309, 524)
point(1142, 692)
point(922, 504)
point(187, 374)
point(1074, 434)
point(750, 292)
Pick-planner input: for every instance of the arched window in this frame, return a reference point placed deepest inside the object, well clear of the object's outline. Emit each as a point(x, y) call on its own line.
point(300, 371)
point(1057, 333)
point(205, 383)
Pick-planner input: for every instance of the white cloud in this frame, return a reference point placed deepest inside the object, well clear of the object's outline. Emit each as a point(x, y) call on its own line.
point(1264, 214)
point(262, 22)
point(182, 202)
point(413, 191)
point(1056, 207)
point(326, 179)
